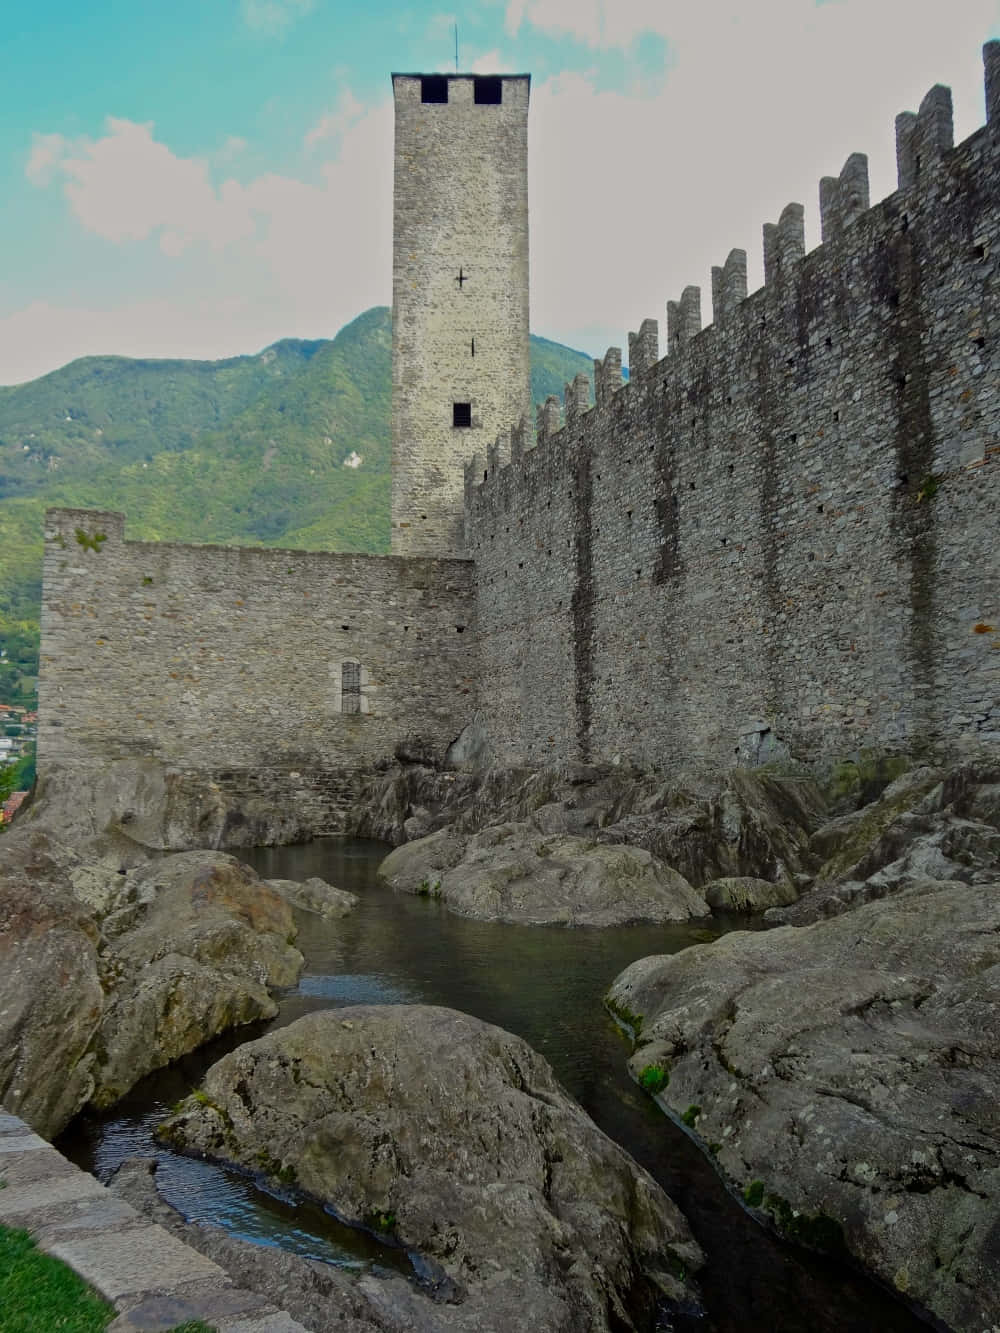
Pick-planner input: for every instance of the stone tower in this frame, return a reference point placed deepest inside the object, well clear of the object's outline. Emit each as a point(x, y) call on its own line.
point(460, 349)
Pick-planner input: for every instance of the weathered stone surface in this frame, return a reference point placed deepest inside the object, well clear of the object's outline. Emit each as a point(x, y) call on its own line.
point(209, 940)
point(922, 827)
point(511, 872)
point(738, 823)
point(853, 1067)
point(146, 804)
point(743, 893)
point(315, 895)
point(456, 1135)
point(51, 999)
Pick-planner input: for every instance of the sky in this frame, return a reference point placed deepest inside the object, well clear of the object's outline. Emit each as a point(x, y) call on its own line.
point(200, 178)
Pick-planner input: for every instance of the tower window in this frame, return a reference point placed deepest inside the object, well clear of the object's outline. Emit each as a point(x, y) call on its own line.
point(434, 88)
point(487, 91)
point(461, 414)
point(350, 687)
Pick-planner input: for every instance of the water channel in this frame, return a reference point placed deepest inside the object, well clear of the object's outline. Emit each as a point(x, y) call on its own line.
point(546, 985)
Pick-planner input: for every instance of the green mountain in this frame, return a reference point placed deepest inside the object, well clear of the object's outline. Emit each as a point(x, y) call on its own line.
point(251, 450)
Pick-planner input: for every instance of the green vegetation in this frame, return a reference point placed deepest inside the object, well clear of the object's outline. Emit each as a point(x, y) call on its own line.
point(753, 1195)
point(425, 889)
point(817, 1230)
point(40, 1293)
point(382, 1222)
point(255, 450)
point(654, 1078)
point(623, 1015)
point(690, 1116)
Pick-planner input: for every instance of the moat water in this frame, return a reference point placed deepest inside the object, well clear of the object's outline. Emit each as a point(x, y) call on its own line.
point(545, 984)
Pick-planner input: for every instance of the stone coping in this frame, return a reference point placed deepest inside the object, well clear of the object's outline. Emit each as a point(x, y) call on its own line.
point(152, 1279)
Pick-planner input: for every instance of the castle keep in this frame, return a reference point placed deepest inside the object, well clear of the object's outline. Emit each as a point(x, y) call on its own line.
point(780, 536)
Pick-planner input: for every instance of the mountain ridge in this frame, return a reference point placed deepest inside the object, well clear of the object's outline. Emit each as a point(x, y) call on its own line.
point(258, 449)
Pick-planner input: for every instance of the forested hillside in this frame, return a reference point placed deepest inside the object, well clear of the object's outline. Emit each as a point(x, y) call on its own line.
point(259, 450)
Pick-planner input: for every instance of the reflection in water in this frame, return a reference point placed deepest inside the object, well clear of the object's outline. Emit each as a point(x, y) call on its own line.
point(544, 983)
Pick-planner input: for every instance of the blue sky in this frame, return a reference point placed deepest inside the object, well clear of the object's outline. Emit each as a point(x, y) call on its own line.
point(202, 177)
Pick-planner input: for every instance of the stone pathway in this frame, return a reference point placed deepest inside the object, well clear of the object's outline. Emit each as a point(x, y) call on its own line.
point(151, 1278)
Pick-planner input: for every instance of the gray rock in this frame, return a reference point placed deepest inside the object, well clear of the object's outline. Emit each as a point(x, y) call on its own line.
point(206, 939)
point(147, 804)
point(51, 998)
point(456, 1136)
point(853, 1068)
point(743, 893)
point(511, 872)
point(315, 895)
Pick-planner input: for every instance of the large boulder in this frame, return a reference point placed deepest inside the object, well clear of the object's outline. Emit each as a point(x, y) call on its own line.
point(847, 1075)
point(51, 999)
point(194, 951)
point(454, 1136)
point(316, 896)
point(737, 824)
point(512, 872)
point(145, 803)
point(924, 826)
point(744, 893)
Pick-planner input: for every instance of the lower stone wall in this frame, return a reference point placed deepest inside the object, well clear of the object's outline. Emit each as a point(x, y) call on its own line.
point(272, 678)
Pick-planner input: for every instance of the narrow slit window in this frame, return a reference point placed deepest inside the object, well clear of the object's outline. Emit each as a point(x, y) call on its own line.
point(488, 90)
point(350, 687)
point(461, 414)
point(434, 88)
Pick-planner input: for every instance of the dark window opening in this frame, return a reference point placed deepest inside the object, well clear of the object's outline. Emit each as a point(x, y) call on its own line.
point(979, 252)
point(473, 347)
point(461, 414)
point(434, 88)
point(462, 278)
point(350, 687)
point(487, 91)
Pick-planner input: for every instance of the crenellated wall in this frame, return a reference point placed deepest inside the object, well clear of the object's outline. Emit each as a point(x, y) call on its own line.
point(279, 676)
point(788, 526)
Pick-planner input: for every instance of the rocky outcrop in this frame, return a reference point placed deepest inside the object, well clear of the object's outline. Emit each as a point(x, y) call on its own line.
point(145, 803)
point(511, 872)
point(742, 825)
point(847, 1077)
point(315, 895)
point(51, 998)
point(455, 1137)
point(152, 963)
point(205, 940)
point(924, 826)
point(743, 893)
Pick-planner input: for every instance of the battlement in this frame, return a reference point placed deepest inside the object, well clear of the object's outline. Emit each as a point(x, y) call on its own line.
point(790, 515)
point(924, 140)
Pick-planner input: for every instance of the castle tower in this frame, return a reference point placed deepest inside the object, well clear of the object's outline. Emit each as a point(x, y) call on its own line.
point(460, 350)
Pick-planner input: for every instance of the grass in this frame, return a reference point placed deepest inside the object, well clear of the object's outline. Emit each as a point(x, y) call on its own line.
point(39, 1294)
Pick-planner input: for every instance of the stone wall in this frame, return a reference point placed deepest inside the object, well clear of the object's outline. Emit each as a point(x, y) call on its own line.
point(228, 662)
point(787, 527)
point(459, 293)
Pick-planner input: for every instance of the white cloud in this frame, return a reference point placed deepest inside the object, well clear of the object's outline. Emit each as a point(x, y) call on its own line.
point(333, 124)
point(250, 263)
point(43, 161)
point(491, 62)
point(272, 17)
point(641, 195)
point(126, 186)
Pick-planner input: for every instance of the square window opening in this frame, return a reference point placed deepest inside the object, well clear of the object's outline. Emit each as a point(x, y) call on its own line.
point(487, 90)
point(434, 88)
point(461, 414)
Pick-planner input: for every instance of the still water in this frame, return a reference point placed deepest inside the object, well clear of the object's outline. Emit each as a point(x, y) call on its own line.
point(545, 984)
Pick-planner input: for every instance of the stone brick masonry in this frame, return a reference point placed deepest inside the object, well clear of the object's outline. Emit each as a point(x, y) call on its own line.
point(785, 528)
point(788, 526)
